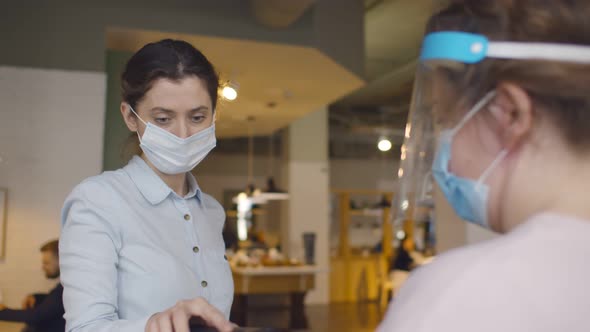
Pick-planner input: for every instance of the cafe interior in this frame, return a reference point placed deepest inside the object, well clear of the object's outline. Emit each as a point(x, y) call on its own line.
point(313, 108)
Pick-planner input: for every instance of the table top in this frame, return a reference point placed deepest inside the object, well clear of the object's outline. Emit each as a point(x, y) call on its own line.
point(276, 270)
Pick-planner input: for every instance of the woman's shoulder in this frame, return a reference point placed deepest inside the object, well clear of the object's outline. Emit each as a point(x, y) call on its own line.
point(210, 203)
point(458, 274)
point(461, 277)
point(93, 207)
point(505, 275)
point(456, 265)
point(102, 187)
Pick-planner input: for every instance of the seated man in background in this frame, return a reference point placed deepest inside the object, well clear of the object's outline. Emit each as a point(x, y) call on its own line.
point(403, 260)
point(42, 312)
point(401, 265)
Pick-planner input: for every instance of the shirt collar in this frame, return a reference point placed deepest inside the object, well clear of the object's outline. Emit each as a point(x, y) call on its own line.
point(193, 187)
point(151, 186)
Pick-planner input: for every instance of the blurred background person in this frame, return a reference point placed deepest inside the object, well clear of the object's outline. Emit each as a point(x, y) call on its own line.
point(42, 312)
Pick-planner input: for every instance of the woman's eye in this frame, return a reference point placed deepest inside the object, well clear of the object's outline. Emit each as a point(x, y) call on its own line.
point(198, 118)
point(162, 120)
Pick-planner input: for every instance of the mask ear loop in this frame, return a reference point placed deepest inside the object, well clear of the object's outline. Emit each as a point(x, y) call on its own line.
point(140, 119)
point(476, 108)
point(493, 165)
point(496, 161)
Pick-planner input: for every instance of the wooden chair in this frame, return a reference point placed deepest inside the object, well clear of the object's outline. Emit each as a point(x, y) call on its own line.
point(389, 283)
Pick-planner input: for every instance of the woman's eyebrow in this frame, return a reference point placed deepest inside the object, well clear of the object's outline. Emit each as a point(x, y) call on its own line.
point(165, 110)
point(161, 109)
point(200, 108)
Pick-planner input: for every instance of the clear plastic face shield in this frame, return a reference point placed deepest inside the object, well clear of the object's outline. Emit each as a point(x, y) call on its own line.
point(433, 112)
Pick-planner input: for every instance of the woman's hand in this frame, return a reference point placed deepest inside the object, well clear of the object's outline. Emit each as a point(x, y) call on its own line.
point(176, 319)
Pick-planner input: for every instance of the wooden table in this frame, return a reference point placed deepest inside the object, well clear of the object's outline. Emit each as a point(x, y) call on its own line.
point(292, 280)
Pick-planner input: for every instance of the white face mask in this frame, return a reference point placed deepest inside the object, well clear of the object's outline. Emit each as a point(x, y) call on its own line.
point(174, 155)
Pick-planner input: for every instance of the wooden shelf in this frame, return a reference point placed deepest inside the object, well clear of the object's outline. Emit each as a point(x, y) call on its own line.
point(367, 212)
point(234, 213)
point(351, 266)
point(365, 192)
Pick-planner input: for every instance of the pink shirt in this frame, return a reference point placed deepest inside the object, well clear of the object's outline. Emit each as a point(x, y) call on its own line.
point(536, 278)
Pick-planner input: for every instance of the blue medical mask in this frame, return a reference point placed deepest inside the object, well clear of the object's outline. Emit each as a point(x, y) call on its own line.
point(469, 198)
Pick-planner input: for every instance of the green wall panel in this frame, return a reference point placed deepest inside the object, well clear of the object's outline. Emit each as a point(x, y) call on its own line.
point(115, 130)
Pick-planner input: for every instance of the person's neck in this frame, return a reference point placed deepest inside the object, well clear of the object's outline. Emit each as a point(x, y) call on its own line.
point(176, 182)
point(558, 184)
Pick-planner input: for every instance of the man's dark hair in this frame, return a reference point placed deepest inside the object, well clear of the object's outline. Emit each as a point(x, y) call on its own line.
point(52, 246)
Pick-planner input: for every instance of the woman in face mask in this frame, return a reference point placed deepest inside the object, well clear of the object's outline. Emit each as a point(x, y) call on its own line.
point(141, 247)
point(503, 91)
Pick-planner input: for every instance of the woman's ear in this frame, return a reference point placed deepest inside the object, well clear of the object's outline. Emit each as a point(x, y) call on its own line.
point(513, 110)
point(129, 118)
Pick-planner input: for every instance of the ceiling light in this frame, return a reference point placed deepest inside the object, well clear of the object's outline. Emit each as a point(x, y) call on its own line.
point(384, 145)
point(230, 89)
point(229, 93)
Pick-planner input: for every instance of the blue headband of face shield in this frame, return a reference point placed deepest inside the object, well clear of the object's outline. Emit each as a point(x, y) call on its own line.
point(472, 48)
point(469, 197)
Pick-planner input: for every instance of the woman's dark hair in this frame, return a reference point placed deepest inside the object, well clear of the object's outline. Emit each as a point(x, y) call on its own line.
point(559, 90)
point(170, 59)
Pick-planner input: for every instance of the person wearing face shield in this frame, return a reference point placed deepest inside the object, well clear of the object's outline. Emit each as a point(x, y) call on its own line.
point(141, 247)
point(500, 121)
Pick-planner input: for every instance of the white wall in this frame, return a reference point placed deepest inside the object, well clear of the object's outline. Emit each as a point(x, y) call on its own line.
point(51, 136)
point(309, 212)
point(307, 174)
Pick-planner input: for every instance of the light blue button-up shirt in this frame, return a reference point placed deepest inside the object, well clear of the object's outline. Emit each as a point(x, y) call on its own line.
point(131, 247)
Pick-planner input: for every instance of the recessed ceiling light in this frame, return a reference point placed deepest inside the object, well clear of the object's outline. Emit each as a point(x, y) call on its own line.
point(384, 145)
point(230, 91)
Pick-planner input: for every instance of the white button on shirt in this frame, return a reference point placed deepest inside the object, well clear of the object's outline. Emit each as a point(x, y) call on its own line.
point(131, 247)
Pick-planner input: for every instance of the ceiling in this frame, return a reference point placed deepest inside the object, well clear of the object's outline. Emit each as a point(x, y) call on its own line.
point(278, 83)
point(393, 33)
point(281, 83)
